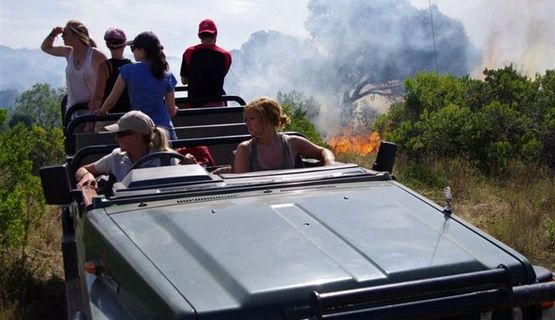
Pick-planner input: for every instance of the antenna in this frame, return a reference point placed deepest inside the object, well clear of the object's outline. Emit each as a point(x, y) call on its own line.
point(433, 33)
point(448, 198)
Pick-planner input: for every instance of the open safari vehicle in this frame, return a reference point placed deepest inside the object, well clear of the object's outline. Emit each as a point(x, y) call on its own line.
point(337, 242)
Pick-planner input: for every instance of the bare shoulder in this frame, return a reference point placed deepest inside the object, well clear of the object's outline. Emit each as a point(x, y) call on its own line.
point(244, 146)
point(297, 140)
point(99, 56)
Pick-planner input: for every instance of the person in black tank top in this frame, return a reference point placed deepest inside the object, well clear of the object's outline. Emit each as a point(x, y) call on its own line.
point(268, 149)
point(108, 73)
point(122, 105)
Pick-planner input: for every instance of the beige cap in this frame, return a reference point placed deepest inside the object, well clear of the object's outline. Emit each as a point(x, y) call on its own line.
point(133, 121)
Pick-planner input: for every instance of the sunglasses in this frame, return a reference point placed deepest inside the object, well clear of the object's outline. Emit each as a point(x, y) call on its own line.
point(123, 133)
point(133, 47)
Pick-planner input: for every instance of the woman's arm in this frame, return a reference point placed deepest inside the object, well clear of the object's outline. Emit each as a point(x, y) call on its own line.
point(86, 176)
point(116, 92)
point(86, 181)
point(170, 103)
point(300, 145)
point(98, 95)
point(242, 158)
point(48, 44)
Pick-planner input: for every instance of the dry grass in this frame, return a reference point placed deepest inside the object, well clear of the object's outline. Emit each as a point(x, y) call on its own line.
point(517, 208)
point(31, 282)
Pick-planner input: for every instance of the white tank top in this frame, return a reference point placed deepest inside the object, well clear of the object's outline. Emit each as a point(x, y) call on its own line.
point(81, 82)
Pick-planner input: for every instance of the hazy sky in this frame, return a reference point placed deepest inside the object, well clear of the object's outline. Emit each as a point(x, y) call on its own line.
point(520, 31)
point(25, 23)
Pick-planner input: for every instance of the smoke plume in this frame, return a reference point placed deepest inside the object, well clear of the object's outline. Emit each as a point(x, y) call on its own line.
point(356, 49)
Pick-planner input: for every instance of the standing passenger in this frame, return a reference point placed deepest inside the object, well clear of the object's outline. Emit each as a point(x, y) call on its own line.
point(149, 83)
point(108, 72)
point(82, 58)
point(204, 66)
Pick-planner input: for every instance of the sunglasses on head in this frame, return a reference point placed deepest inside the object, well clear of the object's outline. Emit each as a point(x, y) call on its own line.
point(123, 133)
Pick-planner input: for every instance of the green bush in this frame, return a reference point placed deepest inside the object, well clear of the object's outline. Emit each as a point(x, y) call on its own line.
point(505, 117)
point(21, 201)
point(296, 106)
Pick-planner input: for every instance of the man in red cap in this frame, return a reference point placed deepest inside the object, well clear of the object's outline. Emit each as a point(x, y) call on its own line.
point(204, 66)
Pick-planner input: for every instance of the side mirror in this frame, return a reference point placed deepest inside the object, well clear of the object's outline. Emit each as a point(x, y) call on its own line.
point(385, 157)
point(56, 185)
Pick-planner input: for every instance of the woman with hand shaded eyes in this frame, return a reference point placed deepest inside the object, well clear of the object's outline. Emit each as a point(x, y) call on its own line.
point(82, 58)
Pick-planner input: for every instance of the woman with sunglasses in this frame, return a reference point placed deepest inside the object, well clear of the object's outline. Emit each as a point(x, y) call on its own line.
point(137, 136)
point(82, 58)
point(149, 83)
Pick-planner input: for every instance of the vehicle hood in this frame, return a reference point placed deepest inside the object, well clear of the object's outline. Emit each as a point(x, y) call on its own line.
point(239, 250)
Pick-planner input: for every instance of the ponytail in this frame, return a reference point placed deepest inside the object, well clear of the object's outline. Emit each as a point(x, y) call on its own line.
point(159, 139)
point(273, 117)
point(157, 60)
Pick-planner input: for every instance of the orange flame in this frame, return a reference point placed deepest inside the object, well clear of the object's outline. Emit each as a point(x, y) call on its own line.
point(360, 144)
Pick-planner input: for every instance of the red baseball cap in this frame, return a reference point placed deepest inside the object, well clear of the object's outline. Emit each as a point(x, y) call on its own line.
point(207, 26)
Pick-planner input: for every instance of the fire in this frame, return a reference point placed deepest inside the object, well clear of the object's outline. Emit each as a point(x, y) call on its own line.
point(359, 144)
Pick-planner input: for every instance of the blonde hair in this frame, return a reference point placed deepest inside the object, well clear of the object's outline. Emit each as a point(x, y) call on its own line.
point(81, 31)
point(158, 140)
point(270, 112)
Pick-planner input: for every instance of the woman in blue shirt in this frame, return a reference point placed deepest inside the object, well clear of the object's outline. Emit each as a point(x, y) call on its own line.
point(149, 83)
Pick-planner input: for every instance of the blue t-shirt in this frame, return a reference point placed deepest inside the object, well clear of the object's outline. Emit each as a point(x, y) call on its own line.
point(147, 93)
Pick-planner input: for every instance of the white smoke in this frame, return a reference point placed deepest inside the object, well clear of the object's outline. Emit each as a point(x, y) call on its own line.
point(352, 43)
point(521, 32)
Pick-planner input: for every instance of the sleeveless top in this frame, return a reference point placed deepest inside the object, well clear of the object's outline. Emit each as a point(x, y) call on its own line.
point(81, 82)
point(123, 104)
point(286, 162)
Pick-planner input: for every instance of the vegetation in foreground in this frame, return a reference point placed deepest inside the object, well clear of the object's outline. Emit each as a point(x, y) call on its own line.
point(491, 141)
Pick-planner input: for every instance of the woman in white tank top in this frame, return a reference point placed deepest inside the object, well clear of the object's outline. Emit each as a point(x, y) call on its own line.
point(82, 60)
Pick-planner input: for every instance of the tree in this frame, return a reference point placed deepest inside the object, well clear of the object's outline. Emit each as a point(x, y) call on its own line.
point(7, 98)
point(296, 105)
point(507, 117)
point(356, 49)
point(41, 103)
point(375, 44)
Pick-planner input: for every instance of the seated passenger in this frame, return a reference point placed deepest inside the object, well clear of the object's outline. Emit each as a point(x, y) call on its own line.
point(137, 136)
point(268, 149)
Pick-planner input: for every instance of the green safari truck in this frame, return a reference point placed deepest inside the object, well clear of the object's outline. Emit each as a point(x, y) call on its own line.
point(335, 242)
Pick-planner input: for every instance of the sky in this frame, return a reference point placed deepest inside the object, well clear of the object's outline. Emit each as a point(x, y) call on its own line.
point(25, 23)
point(521, 31)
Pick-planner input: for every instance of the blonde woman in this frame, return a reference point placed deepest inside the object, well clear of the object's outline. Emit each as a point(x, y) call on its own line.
point(82, 60)
point(269, 149)
point(137, 137)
